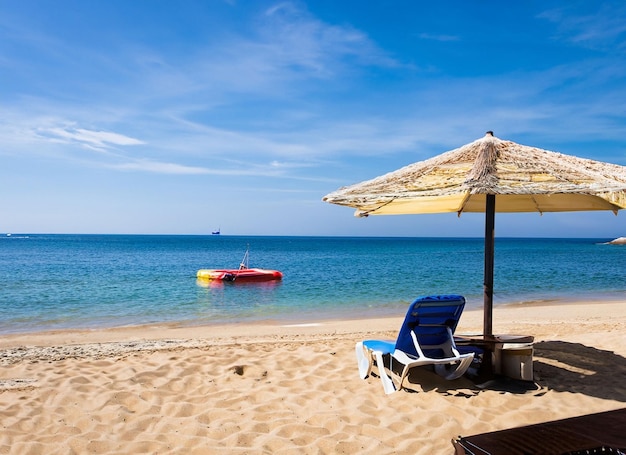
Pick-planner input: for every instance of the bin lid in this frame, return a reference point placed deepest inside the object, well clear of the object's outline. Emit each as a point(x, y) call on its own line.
point(506, 338)
point(514, 346)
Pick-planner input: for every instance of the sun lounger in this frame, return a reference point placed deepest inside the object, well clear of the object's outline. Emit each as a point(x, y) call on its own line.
point(425, 338)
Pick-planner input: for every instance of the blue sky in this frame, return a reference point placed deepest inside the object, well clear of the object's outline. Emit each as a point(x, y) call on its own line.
point(153, 116)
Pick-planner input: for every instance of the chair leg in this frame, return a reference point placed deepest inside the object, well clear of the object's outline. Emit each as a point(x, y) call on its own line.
point(455, 370)
point(405, 371)
point(364, 360)
point(388, 384)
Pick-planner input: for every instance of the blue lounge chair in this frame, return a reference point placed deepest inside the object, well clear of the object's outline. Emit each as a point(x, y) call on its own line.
point(425, 338)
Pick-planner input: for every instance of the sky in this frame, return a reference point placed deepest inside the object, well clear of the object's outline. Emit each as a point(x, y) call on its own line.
point(182, 117)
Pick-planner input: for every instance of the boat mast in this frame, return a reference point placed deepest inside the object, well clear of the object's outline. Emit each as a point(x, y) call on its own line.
point(245, 262)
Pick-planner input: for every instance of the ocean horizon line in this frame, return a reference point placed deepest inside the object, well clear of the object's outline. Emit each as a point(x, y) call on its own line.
point(208, 234)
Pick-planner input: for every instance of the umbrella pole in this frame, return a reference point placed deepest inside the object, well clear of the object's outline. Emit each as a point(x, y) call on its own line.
point(490, 215)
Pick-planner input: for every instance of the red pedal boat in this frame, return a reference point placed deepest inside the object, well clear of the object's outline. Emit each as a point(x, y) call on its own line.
point(241, 275)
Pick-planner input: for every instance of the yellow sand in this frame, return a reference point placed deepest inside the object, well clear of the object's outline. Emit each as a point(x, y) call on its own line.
point(270, 389)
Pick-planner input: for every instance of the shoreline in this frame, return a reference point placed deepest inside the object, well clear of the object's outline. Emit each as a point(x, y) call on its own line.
point(176, 334)
point(369, 313)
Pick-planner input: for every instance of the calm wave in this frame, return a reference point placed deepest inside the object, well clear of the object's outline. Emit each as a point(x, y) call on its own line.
point(87, 281)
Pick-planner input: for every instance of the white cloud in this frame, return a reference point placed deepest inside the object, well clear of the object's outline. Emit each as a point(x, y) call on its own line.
point(97, 139)
point(603, 27)
point(159, 168)
point(298, 38)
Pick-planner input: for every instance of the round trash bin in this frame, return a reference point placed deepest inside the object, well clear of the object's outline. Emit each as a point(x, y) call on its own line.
point(514, 360)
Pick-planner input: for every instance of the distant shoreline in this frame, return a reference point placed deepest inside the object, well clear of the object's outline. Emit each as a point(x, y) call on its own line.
point(24, 235)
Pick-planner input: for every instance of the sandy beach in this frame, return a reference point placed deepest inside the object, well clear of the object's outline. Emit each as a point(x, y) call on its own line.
point(272, 389)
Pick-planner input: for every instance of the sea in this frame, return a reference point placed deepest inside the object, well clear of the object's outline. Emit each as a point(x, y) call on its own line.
point(64, 282)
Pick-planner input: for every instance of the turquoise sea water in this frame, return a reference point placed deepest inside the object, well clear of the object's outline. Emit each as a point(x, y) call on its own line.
point(88, 281)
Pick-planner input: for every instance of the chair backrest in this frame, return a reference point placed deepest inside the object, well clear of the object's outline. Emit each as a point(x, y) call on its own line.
point(429, 317)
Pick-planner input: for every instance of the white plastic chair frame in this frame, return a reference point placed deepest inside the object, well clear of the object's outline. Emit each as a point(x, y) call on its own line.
point(451, 367)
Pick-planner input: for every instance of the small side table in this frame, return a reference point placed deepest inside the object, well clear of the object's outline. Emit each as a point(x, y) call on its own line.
point(509, 355)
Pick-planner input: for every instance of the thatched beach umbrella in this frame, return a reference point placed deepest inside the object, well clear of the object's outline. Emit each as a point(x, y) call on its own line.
point(490, 175)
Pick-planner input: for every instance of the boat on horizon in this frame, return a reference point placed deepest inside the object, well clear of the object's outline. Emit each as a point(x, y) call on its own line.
point(244, 274)
point(216, 232)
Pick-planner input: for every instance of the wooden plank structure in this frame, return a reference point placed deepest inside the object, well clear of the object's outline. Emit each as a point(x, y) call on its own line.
point(600, 433)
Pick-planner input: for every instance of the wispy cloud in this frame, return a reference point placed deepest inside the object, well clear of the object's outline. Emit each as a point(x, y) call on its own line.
point(600, 28)
point(95, 139)
point(442, 38)
point(158, 168)
point(236, 169)
point(298, 39)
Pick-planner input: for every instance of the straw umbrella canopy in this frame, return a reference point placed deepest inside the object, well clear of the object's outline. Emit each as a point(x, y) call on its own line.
point(490, 175)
